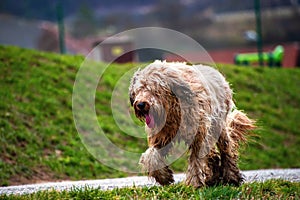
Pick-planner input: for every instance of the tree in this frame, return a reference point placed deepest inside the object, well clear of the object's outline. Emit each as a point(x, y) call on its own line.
point(169, 13)
point(86, 23)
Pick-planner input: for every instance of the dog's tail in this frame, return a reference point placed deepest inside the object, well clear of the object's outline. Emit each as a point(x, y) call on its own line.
point(239, 126)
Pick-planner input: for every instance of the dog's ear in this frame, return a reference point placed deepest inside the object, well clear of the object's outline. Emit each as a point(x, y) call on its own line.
point(135, 77)
point(182, 91)
point(131, 86)
point(131, 99)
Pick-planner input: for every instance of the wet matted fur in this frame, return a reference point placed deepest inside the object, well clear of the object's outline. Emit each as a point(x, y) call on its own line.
point(193, 104)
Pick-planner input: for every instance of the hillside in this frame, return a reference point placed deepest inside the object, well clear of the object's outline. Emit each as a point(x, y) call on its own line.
point(39, 142)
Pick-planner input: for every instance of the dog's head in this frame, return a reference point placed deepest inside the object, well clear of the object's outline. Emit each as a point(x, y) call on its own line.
point(157, 97)
point(147, 102)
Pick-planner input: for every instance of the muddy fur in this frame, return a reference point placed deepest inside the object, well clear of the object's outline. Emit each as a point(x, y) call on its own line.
point(193, 104)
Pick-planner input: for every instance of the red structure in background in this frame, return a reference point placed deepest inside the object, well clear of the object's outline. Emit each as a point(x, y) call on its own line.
point(115, 51)
point(291, 56)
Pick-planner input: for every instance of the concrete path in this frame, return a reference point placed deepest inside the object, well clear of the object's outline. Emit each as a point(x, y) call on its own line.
point(106, 184)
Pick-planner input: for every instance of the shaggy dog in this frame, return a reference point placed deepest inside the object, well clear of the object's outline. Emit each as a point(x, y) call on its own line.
point(193, 104)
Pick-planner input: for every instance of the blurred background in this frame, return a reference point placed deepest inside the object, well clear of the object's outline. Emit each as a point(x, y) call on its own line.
point(222, 27)
point(38, 138)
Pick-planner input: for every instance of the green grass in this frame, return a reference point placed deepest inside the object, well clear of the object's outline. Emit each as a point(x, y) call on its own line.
point(268, 190)
point(39, 142)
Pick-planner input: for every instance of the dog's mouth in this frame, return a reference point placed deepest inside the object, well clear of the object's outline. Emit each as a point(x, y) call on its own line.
point(149, 119)
point(145, 113)
point(153, 116)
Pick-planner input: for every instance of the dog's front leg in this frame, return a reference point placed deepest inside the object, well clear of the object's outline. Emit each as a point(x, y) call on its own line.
point(195, 174)
point(197, 164)
point(154, 164)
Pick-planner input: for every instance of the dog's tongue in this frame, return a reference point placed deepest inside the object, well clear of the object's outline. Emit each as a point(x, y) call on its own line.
point(149, 120)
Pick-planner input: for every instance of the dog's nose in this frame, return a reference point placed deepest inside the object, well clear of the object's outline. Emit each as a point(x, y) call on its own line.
point(141, 105)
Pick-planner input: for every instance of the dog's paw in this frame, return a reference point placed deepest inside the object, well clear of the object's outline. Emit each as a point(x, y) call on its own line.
point(232, 178)
point(153, 163)
point(163, 176)
point(196, 181)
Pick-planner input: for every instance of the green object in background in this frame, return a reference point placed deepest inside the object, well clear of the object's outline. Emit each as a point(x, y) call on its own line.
point(273, 58)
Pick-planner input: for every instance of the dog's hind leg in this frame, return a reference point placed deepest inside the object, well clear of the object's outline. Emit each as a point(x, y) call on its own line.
point(237, 127)
point(213, 176)
point(230, 172)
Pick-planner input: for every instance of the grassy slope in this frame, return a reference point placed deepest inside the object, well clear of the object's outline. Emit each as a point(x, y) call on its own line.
point(39, 142)
point(272, 96)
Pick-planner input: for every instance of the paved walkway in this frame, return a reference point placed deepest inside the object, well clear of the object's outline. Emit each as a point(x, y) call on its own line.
point(105, 184)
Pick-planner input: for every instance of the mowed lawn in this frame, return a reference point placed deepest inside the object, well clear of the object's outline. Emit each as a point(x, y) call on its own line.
point(268, 190)
point(39, 141)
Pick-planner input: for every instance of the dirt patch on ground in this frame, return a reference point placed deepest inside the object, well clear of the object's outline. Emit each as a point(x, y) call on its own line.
point(40, 174)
